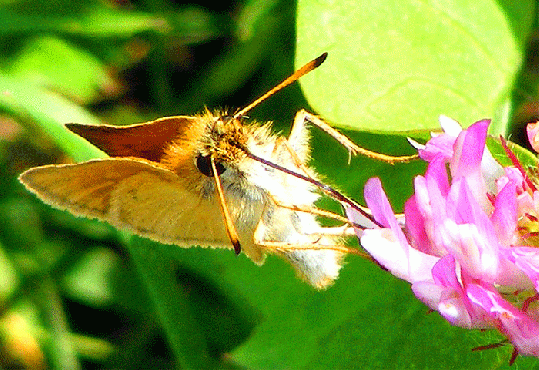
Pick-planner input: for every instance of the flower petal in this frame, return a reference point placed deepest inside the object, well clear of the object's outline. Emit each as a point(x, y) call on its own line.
point(522, 331)
point(441, 144)
point(469, 148)
point(532, 129)
point(505, 217)
point(405, 263)
point(381, 209)
point(527, 260)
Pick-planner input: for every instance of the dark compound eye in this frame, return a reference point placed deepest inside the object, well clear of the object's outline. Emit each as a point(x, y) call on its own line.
point(204, 166)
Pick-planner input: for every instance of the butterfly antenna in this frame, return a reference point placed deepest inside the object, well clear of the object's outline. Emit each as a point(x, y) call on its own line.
point(294, 77)
point(230, 228)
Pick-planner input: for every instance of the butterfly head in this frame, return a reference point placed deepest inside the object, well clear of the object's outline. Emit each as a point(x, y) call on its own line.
point(224, 139)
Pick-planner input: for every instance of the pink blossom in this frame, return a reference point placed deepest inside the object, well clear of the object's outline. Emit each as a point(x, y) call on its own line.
point(469, 240)
point(532, 130)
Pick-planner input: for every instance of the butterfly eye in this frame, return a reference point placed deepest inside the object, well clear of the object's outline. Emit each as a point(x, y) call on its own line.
point(203, 164)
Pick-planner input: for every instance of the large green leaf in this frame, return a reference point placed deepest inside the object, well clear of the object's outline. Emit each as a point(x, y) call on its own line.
point(397, 65)
point(367, 320)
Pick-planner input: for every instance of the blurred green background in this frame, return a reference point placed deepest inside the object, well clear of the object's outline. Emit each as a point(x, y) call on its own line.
point(76, 293)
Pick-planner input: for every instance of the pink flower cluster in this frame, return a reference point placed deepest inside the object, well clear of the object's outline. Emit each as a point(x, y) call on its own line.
point(468, 242)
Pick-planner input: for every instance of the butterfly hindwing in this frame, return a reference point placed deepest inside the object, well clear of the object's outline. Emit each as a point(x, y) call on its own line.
point(131, 194)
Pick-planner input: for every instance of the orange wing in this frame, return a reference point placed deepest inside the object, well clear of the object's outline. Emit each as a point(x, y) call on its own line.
point(131, 194)
point(146, 140)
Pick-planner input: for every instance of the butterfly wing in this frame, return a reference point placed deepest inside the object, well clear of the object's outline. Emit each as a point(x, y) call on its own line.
point(146, 140)
point(131, 194)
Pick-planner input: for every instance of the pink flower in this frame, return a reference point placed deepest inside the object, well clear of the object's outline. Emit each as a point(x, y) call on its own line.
point(468, 243)
point(532, 130)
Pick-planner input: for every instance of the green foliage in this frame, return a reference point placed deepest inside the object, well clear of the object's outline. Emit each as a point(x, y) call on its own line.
point(397, 64)
point(76, 293)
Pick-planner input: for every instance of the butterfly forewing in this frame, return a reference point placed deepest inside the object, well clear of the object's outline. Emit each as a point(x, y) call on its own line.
point(148, 141)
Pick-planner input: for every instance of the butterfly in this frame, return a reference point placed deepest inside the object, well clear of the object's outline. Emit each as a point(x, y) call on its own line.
point(214, 179)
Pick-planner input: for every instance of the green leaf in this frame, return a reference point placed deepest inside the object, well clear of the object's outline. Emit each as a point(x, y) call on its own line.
point(527, 159)
point(50, 112)
point(95, 21)
point(397, 65)
point(368, 319)
point(9, 281)
point(89, 279)
point(172, 306)
point(59, 66)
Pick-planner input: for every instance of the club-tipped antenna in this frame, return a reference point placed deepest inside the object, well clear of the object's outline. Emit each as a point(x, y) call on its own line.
point(294, 77)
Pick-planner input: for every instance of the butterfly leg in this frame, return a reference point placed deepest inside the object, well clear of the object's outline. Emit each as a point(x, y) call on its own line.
point(303, 116)
point(319, 267)
point(315, 243)
point(345, 230)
